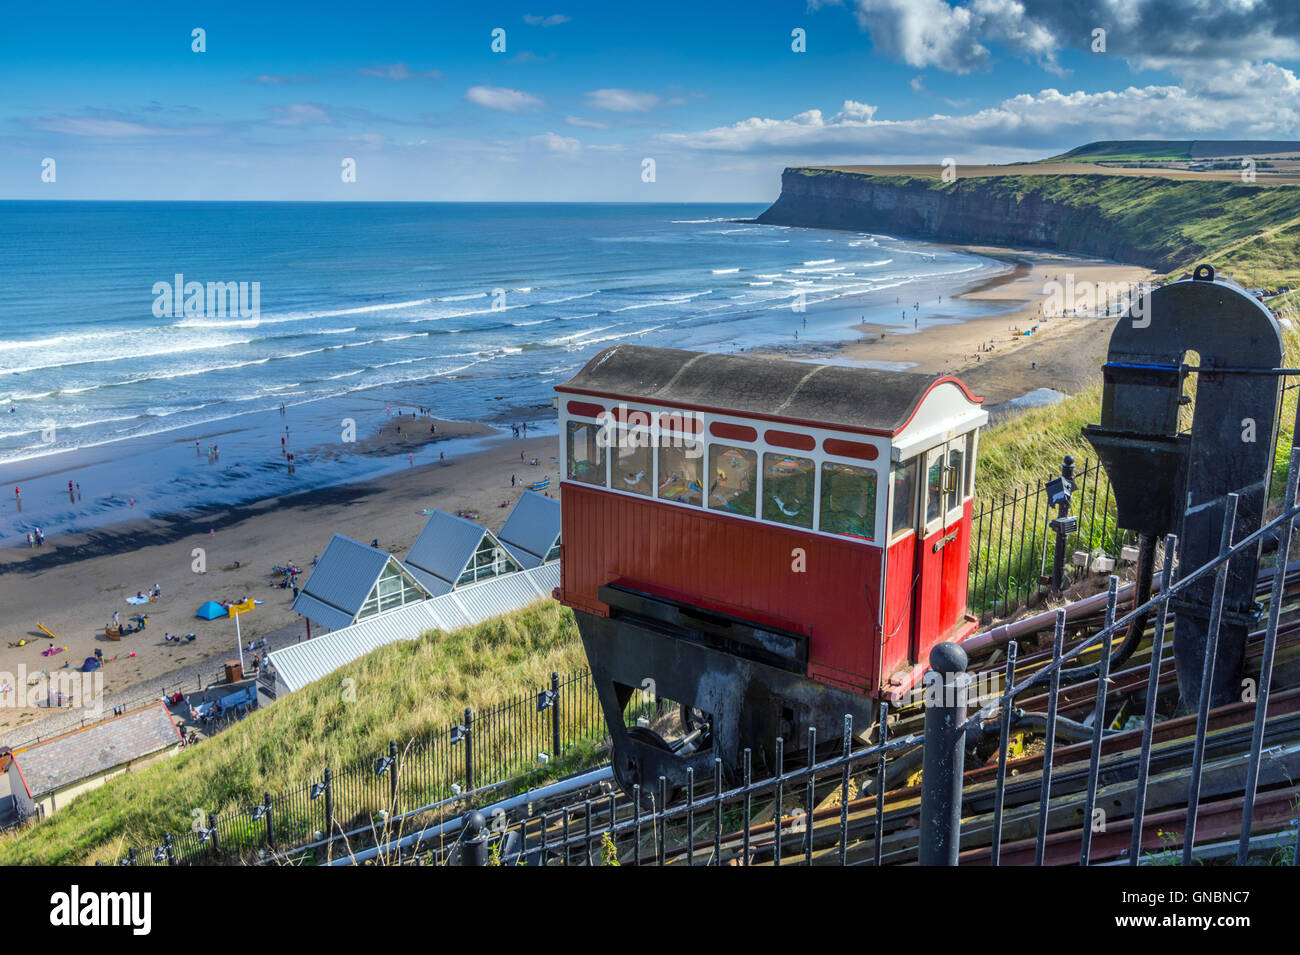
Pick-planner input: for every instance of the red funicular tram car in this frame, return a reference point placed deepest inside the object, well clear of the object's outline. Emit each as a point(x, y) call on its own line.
point(771, 544)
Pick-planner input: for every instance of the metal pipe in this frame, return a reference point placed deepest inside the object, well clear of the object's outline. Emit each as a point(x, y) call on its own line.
point(505, 805)
point(989, 639)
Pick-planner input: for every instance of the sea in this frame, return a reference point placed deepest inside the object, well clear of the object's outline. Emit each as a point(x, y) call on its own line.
point(117, 357)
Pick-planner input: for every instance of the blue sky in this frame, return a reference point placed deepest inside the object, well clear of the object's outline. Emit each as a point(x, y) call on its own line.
point(584, 93)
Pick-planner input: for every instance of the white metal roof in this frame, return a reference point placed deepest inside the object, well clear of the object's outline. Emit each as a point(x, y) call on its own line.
point(342, 581)
point(303, 663)
point(444, 548)
point(532, 528)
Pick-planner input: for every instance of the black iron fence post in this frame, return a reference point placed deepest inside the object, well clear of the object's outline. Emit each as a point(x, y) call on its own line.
point(1061, 526)
point(469, 749)
point(329, 804)
point(555, 715)
point(213, 818)
point(270, 822)
point(392, 776)
point(474, 846)
point(945, 755)
point(169, 849)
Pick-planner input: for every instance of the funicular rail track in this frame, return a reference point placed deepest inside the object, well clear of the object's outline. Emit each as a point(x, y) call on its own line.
point(835, 817)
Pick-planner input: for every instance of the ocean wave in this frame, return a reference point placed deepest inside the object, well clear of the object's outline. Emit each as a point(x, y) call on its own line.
point(571, 298)
point(672, 301)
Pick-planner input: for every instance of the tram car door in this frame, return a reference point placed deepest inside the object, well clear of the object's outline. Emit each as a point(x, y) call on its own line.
point(942, 515)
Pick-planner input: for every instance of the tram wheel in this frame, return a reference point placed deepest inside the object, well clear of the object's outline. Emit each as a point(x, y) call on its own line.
point(627, 770)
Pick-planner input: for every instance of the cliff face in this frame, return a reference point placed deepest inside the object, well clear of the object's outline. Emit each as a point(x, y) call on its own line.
point(1059, 212)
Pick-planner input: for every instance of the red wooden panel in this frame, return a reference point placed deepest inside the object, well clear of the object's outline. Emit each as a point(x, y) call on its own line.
point(586, 409)
point(743, 568)
point(900, 590)
point(929, 592)
point(733, 432)
point(632, 416)
point(955, 568)
point(790, 439)
point(850, 449)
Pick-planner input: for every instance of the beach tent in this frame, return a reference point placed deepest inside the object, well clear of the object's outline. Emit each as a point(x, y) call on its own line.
point(211, 610)
point(452, 551)
point(531, 534)
point(353, 581)
point(90, 665)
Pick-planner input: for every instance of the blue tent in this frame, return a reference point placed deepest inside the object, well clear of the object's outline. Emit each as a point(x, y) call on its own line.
point(211, 610)
point(90, 664)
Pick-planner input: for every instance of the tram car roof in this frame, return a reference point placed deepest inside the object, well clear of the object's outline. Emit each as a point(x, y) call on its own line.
point(839, 396)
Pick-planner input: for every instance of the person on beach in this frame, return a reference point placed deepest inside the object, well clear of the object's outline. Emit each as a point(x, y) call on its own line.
point(114, 618)
point(31, 541)
point(512, 483)
point(442, 456)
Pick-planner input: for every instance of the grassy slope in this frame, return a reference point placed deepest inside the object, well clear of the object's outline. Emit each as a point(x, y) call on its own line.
point(1130, 150)
point(407, 689)
point(417, 688)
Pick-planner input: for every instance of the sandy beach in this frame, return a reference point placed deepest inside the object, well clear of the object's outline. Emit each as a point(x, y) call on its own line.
point(74, 584)
point(1065, 353)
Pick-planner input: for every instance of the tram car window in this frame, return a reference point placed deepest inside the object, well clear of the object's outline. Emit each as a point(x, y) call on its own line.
point(734, 476)
point(680, 464)
point(774, 543)
point(934, 488)
point(586, 453)
point(848, 501)
point(903, 494)
point(633, 469)
point(788, 489)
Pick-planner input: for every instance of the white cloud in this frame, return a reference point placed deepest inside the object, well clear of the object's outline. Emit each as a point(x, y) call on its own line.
point(398, 72)
point(586, 123)
point(1252, 102)
point(957, 37)
point(554, 20)
point(301, 114)
point(917, 83)
point(622, 101)
point(271, 79)
point(503, 99)
point(556, 143)
point(95, 126)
